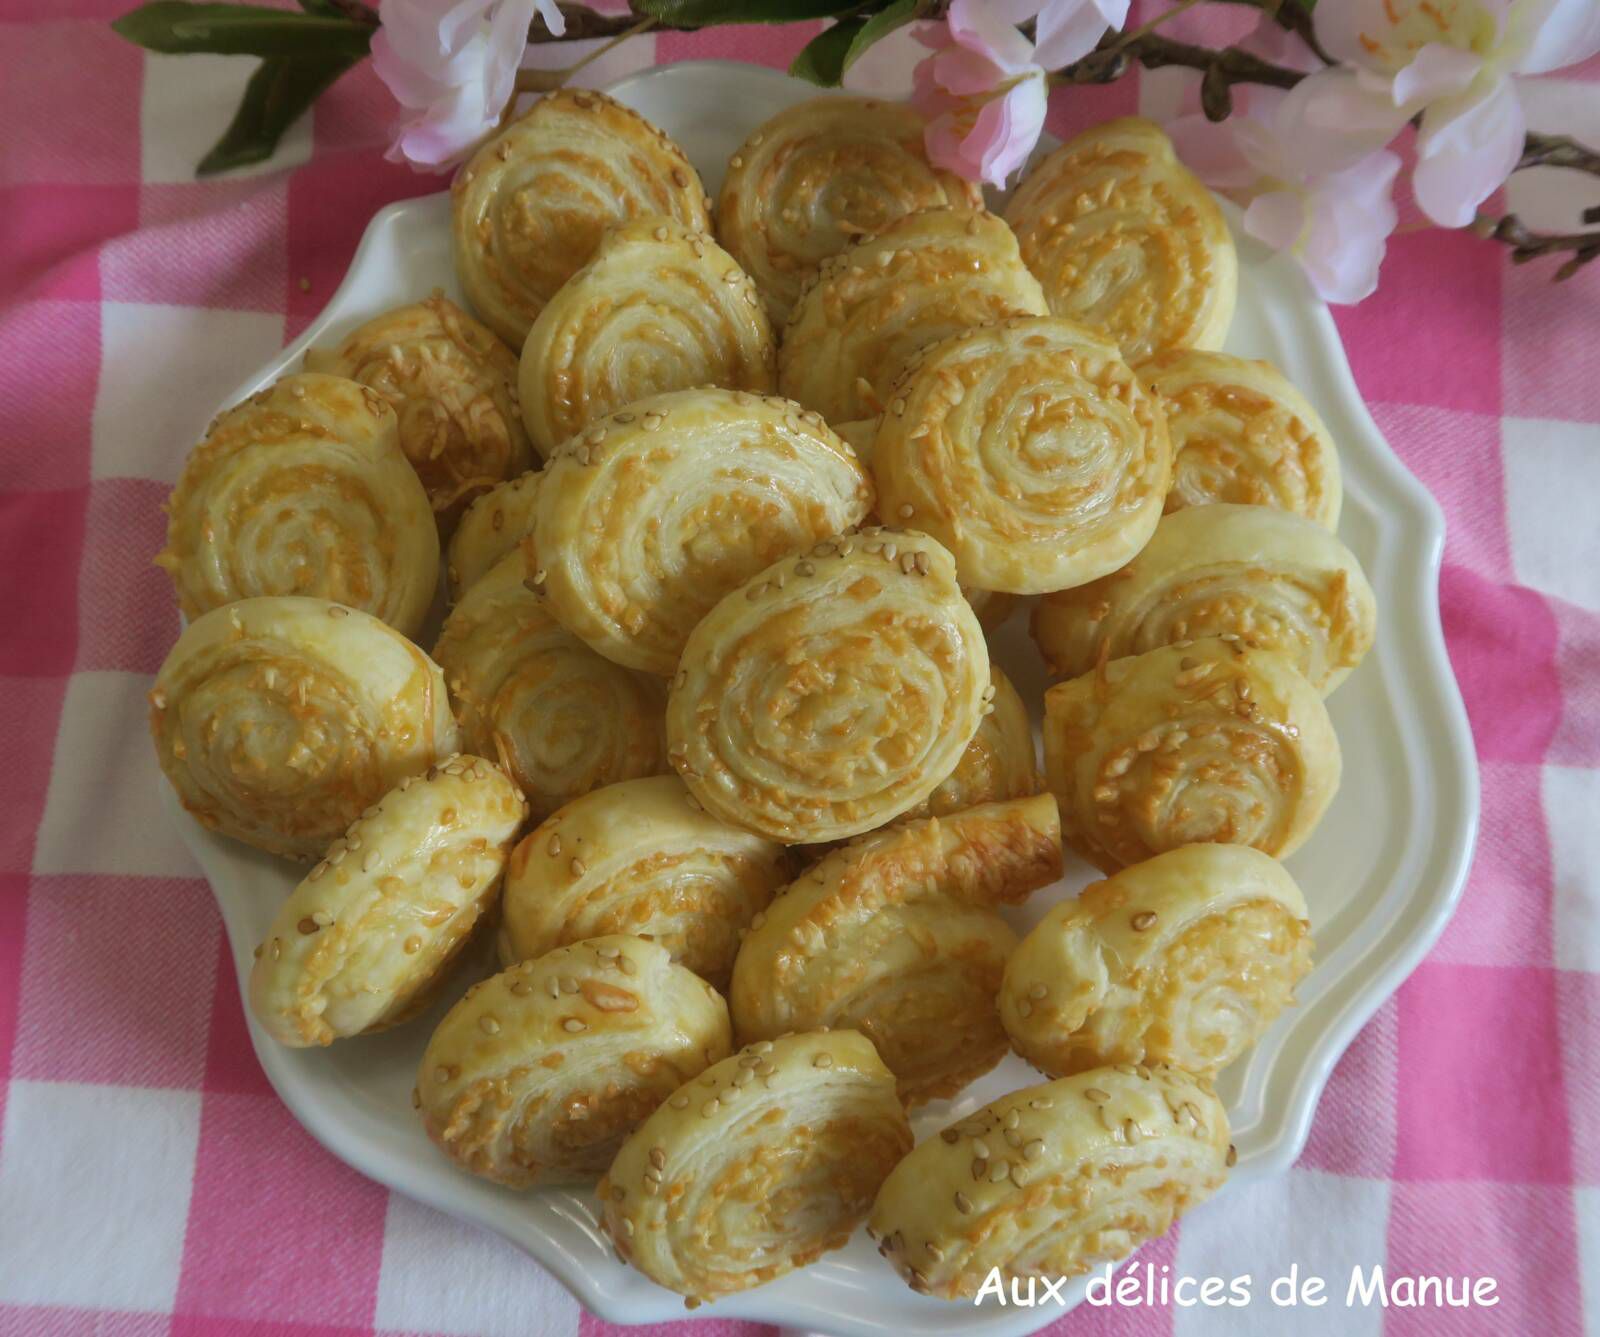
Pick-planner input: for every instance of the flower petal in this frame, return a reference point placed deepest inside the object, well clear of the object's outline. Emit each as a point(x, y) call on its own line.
point(1069, 30)
point(1558, 33)
point(1464, 155)
point(980, 29)
point(1210, 150)
point(1277, 218)
point(1437, 71)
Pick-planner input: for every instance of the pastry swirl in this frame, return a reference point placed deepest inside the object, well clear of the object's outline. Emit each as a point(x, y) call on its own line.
point(363, 942)
point(650, 516)
point(278, 720)
point(660, 307)
point(528, 210)
point(896, 936)
point(1030, 450)
point(538, 1074)
point(832, 692)
point(640, 857)
point(303, 490)
point(1205, 741)
point(760, 1165)
point(558, 717)
point(1053, 1180)
point(1000, 762)
point(1241, 433)
point(491, 527)
point(1184, 959)
point(1279, 581)
point(1125, 239)
point(452, 383)
point(923, 278)
point(818, 175)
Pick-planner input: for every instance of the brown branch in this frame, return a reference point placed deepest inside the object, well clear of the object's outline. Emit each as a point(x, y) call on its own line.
point(1220, 69)
point(1558, 151)
point(1527, 244)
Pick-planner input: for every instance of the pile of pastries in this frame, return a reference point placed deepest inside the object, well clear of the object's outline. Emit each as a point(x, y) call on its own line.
point(709, 746)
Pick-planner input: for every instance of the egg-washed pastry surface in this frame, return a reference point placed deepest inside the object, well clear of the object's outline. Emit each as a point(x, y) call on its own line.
point(452, 383)
point(1278, 580)
point(279, 720)
point(560, 719)
point(539, 1073)
point(1183, 959)
point(491, 527)
point(896, 936)
point(999, 763)
point(370, 934)
point(1204, 741)
point(760, 1165)
point(303, 490)
point(817, 176)
point(923, 278)
point(1242, 433)
point(640, 857)
point(1053, 1180)
point(651, 515)
point(659, 307)
point(1125, 239)
point(528, 209)
point(1029, 449)
point(832, 692)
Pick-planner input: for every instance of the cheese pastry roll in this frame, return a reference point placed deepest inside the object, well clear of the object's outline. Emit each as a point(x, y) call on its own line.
point(495, 523)
point(1000, 762)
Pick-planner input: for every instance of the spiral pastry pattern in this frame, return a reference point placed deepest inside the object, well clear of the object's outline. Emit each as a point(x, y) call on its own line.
point(1278, 581)
point(869, 309)
point(539, 1074)
point(303, 490)
point(528, 209)
point(640, 857)
point(1030, 450)
point(1241, 433)
point(1125, 239)
point(832, 692)
point(816, 177)
point(660, 307)
point(896, 936)
point(560, 719)
point(279, 720)
point(1053, 1180)
point(452, 383)
point(367, 938)
point(1184, 959)
point(491, 527)
point(1000, 762)
point(1209, 741)
point(762, 1164)
point(653, 514)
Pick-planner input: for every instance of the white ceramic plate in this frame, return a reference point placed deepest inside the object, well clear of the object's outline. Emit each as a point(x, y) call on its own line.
point(1382, 874)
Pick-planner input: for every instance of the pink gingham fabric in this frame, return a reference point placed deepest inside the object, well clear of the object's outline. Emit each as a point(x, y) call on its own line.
point(151, 1183)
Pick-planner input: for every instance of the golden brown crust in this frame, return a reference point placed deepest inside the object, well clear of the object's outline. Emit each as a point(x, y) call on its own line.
point(492, 526)
point(1000, 762)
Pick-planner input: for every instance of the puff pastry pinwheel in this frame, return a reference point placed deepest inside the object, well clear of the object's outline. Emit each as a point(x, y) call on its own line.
point(660, 307)
point(528, 210)
point(999, 762)
point(869, 309)
point(303, 490)
point(1204, 741)
point(1241, 433)
point(1053, 1180)
point(278, 720)
point(1184, 959)
point(895, 935)
point(762, 1164)
point(818, 175)
point(491, 527)
point(640, 857)
point(558, 717)
point(1030, 450)
point(832, 692)
point(1278, 580)
point(363, 942)
point(1125, 239)
point(452, 383)
point(650, 516)
point(539, 1073)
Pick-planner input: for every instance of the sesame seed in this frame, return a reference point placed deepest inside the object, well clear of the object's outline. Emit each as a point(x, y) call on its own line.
point(1143, 920)
point(999, 1172)
point(413, 944)
point(574, 1025)
point(441, 1074)
point(822, 1061)
point(308, 925)
point(980, 1149)
point(658, 1157)
point(1012, 1119)
point(1095, 1094)
point(1037, 992)
point(579, 868)
point(709, 1108)
point(951, 1136)
point(488, 1025)
point(1033, 1150)
point(568, 984)
point(679, 1101)
point(963, 1203)
point(554, 847)
point(1232, 1158)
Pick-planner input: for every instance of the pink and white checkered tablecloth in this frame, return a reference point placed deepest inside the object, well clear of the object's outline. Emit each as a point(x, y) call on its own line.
point(150, 1181)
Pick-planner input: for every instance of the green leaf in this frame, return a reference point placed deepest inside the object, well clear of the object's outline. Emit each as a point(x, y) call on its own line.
point(277, 95)
point(178, 27)
point(704, 13)
point(822, 59)
point(879, 26)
